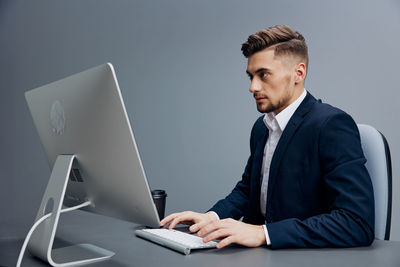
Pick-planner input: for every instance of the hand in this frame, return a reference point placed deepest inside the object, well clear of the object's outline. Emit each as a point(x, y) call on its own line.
point(233, 231)
point(198, 220)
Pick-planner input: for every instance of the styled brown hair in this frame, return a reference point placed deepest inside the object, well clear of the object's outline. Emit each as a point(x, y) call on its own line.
point(285, 40)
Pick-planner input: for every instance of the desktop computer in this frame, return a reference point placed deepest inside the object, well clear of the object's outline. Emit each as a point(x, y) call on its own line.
point(88, 140)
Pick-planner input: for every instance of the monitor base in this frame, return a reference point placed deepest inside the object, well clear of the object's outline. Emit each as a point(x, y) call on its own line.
point(41, 237)
point(78, 255)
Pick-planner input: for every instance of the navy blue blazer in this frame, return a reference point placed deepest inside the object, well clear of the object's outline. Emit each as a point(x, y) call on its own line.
point(319, 191)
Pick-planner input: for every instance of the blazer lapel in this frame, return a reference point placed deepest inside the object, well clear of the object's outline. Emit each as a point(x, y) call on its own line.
point(258, 159)
point(287, 134)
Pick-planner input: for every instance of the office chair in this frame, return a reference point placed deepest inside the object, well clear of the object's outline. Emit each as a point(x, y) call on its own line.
point(379, 166)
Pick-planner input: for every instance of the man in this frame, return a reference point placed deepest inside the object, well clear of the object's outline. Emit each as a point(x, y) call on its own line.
point(305, 183)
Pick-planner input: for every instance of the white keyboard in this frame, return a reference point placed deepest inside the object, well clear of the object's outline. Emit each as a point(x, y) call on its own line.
point(177, 240)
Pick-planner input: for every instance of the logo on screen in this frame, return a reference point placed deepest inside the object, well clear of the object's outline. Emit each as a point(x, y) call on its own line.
point(57, 117)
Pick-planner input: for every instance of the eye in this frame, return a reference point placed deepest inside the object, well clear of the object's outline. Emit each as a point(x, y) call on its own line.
point(250, 76)
point(263, 75)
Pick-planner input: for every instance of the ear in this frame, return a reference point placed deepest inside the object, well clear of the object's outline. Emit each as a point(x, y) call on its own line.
point(301, 72)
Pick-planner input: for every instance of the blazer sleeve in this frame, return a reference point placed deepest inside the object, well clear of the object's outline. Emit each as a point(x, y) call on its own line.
point(234, 205)
point(349, 220)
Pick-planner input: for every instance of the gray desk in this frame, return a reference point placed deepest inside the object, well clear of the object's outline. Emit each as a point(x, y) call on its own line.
point(118, 236)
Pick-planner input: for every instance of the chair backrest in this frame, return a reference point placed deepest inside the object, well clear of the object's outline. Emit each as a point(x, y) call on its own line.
point(379, 166)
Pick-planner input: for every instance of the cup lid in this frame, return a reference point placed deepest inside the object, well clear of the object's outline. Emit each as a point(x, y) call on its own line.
point(158, 193)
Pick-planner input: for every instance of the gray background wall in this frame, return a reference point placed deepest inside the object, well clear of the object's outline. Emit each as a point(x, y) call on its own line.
point(183, 79)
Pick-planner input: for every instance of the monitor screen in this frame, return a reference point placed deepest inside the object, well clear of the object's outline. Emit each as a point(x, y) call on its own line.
point(84, 115)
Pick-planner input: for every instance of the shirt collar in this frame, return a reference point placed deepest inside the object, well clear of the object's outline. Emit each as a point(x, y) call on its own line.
point(273, 121)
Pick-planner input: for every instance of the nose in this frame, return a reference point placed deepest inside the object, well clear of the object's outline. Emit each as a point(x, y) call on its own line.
point(254, 86)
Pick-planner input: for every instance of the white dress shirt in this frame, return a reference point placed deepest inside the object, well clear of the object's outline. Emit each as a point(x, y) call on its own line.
point(276, 125)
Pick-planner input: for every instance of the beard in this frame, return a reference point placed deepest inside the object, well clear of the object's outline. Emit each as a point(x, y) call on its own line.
point(273, 107)
point(266, 107)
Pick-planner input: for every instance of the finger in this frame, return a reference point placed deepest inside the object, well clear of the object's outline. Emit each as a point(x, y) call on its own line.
point(196, 227)
point(172, 216)
point(173, 223)
point(219, 234)
point(211, 227)
point(180, 219)
point(226, 241)
point(168, 218)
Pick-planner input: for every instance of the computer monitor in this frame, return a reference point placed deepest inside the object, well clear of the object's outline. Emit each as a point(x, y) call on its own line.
point(89, 143)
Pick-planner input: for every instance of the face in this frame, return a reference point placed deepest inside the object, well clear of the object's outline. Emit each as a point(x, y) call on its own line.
point(276, 81)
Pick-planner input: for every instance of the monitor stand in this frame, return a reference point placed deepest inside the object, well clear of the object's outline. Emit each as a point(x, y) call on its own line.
point(41, 242)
